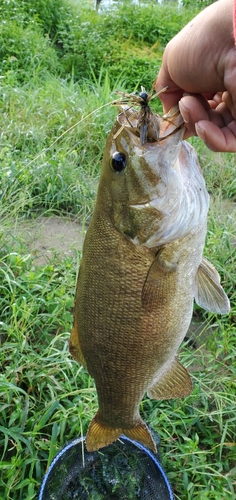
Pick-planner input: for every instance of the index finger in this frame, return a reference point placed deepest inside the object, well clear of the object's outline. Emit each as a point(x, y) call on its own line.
point(173, 94)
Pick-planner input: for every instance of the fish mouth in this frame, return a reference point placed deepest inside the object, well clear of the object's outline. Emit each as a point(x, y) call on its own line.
point(145, 204)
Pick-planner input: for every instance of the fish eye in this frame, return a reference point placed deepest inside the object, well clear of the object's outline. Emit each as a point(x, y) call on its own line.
point(118, 162)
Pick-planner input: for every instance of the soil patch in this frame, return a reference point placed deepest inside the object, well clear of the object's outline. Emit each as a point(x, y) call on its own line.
point(47, 236)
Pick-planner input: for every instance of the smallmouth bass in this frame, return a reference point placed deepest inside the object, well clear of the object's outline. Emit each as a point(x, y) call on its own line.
point(141, 269)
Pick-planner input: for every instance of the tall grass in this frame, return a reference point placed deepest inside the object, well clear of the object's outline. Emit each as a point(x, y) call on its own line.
point(40, 170)
point(46, 398)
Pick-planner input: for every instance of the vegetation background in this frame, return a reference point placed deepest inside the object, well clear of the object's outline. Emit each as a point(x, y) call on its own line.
point(60, 62)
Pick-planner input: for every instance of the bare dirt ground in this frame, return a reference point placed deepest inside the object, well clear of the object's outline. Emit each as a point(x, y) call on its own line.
point(47, 236)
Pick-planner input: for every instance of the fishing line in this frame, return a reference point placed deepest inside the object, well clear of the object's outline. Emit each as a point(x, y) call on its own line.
point(66, 131)
point(116, 103)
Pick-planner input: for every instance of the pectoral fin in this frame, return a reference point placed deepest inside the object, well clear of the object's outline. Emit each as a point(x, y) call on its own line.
point(159, 284)
point(175, 383)
point(74, 346)
point(209, 293)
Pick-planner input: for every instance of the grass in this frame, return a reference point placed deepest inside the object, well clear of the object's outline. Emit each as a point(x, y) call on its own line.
point(46, 398)
point(38, 168)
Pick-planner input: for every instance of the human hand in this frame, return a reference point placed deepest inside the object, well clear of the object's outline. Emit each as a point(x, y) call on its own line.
point(201, 61)
point(211, 120)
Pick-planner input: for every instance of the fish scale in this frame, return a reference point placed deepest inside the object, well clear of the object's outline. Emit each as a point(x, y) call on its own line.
point(142, 266)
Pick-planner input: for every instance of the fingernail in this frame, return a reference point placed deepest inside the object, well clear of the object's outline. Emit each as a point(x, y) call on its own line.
point(184, 112)
point(200, 131)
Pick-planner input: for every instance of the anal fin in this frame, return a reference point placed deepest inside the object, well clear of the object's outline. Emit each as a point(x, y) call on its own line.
point(174, 383)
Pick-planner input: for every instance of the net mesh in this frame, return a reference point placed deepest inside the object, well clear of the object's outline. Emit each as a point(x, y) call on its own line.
point(121, 471)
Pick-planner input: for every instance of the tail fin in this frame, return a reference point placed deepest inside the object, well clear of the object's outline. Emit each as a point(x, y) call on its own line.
point(100, 435)
point(141, 434)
